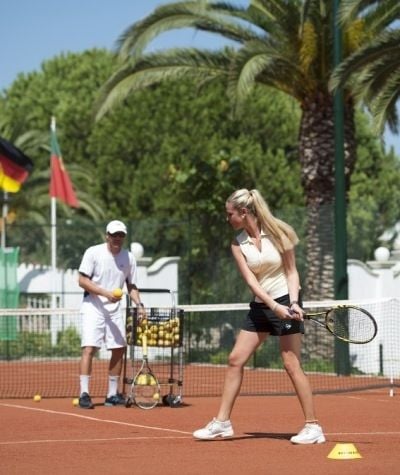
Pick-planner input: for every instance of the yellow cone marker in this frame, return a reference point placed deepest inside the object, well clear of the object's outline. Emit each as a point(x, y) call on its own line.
point(344, 452)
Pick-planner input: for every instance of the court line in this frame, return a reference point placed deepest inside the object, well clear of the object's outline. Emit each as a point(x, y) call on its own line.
point(46, 441)
point(112, 439)
point(387, 400)
point(163, 429)
point(81, 416)
point(363, 433)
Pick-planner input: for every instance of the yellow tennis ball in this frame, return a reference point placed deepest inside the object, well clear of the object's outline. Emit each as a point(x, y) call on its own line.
point(37, 397)
point(156, 396)
point(142, 379)
point(75, 402)
point(152, 380)
point(117, 293)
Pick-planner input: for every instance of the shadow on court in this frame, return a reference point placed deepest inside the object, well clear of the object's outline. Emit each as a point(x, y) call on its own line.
point(252, 435)
point(268, 435)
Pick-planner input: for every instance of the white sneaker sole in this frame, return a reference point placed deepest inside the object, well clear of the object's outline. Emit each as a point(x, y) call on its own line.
point(214, 436)
point(320, 440)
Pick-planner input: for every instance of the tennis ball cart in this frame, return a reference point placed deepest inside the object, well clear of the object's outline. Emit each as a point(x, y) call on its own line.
point(154, 353)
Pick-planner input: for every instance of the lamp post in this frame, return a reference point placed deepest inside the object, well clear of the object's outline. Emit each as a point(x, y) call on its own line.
point(342, 357)
point(341, 280)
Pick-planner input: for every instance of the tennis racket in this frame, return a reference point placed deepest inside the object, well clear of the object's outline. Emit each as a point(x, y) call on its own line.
point(348, 323)
point(146, 388)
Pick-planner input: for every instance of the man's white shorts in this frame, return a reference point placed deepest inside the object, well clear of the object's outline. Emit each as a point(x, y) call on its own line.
point(102, 327)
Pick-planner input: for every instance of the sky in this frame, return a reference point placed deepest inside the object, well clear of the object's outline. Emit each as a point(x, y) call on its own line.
point(38, 30)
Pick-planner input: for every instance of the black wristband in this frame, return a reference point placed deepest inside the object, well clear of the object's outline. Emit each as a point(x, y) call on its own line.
point(140, 304)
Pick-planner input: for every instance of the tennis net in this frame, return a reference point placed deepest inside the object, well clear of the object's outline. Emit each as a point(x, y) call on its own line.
point(40, 353)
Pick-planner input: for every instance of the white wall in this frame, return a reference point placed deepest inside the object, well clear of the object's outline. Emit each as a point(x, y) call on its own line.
point(161, 274)
point(379, 279)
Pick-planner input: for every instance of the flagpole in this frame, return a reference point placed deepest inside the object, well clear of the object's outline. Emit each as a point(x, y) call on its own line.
point(53, 222)
point(60, 188)
point(54, 249)
point(4, 217)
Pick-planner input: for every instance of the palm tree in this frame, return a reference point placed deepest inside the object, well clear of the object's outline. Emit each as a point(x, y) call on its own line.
point(281, 44)
point(373, 70)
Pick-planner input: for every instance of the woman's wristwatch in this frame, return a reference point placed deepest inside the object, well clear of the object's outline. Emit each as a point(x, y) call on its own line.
point(294, 302)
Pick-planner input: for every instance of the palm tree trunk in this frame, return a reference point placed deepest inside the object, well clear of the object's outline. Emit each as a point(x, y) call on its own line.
point(317, 157)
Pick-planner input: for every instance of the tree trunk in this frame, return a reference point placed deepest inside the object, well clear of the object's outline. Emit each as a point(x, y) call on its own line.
point(317, 157)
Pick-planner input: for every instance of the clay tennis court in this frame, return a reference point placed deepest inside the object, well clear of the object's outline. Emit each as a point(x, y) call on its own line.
point(54, 437)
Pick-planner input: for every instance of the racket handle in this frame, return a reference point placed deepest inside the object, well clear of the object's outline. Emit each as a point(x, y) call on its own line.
point(144, 345)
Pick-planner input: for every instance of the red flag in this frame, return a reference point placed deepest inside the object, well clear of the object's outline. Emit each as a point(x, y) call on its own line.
point(60, 183)
point(15, 167)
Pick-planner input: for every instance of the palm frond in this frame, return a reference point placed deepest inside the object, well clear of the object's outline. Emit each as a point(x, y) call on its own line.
point(373, 74)
point(384, 105)
point(200, 16)
point(350, 9)
point(275, 17)
point(377, 14)
point(376, 78)
point(157, 67)
point(385, 46)
point(262, 63)
point(242, 85)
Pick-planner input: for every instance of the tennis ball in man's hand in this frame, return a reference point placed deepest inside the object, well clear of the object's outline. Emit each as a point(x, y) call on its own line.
point(117, 293)
point(37, 397)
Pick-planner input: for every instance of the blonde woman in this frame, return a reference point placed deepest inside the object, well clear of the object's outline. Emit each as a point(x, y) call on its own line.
point(264, 254)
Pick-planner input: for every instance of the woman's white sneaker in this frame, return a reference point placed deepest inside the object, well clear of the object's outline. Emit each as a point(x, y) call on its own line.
point(214, 429)
point(310, 434)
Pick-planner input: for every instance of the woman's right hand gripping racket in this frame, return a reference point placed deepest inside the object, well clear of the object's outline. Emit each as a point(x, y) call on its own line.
point(146, 388)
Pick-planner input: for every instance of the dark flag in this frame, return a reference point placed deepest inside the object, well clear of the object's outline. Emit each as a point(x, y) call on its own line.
point(15, 167)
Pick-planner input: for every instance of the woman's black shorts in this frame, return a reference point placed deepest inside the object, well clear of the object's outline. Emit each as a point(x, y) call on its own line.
point(262, 319)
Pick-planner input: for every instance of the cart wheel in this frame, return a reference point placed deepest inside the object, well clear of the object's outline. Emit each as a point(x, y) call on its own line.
point(176, 402)
point(171, 400)
point(166, 400)
point(128, 402)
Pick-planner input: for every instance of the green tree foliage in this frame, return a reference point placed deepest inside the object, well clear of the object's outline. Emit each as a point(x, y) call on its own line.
point(169, 155)
point(374, 193)
point(166, 160)
point(168, 135)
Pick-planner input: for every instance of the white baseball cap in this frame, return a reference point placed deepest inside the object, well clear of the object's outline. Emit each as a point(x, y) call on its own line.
point(116, 227)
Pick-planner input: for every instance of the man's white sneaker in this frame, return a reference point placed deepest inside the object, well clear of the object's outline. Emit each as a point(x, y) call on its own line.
point(214, 429)
point(310, 434)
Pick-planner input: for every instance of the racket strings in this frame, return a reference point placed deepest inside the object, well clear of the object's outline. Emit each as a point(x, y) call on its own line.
point(351, 324)
point(146, 390)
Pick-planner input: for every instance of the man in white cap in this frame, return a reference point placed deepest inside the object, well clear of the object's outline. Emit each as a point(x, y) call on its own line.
point(104, 268)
